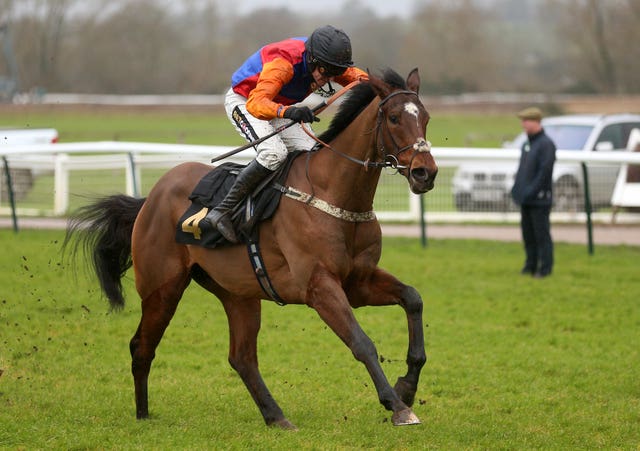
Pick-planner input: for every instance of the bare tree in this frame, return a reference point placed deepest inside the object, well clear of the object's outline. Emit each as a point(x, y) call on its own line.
point(452, 38)
point(634, 6)
point(168, 46)
point(602, 43)
point(55, 12)
point(603, 63)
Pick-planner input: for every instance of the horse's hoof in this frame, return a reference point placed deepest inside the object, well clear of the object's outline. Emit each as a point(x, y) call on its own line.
point(284, 424)
point(405, 417)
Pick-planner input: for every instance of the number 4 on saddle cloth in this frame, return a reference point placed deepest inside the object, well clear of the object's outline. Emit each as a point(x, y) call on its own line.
point(246, 216)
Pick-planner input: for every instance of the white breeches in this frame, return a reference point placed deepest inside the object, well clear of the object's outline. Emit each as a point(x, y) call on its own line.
point(273, 151)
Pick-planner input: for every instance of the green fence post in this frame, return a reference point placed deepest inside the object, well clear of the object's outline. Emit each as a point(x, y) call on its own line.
point(587, 207)
point(423, 223)
point(12, 200)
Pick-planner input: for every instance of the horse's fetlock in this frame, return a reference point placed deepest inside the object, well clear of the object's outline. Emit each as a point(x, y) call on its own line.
point(388, 398)
point(417, 359)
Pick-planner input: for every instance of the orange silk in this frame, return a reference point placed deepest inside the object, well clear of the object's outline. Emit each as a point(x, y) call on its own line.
point(275, 74)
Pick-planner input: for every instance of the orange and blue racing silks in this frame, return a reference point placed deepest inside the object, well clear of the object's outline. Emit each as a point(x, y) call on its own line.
point(277, 76)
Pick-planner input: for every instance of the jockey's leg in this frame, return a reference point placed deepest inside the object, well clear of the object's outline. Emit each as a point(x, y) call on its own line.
point(246, 181)
point(271, 154)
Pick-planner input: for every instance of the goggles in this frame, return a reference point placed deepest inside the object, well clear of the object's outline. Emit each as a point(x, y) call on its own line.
point(327, 70)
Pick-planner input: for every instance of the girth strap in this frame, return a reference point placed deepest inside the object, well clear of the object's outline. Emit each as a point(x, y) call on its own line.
point(326, 207)
point(255, 257)
point(261, 272)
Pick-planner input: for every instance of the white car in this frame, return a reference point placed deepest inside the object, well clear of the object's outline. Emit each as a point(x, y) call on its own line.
point(22, 178)
point(482, 186)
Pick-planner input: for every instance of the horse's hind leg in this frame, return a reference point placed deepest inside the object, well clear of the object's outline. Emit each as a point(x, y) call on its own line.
point(157, 310)
point(244, 324)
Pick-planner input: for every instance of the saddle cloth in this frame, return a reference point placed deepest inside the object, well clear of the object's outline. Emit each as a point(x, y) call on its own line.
point(246, 216)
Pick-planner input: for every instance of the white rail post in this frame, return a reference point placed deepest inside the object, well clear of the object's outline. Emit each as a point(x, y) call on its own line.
point(414, 206)
point(61, 184)
point(132, 174)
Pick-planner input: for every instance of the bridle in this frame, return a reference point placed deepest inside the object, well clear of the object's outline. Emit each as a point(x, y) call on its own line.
point(389, 160)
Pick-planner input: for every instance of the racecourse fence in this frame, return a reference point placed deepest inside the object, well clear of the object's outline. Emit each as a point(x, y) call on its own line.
point(54, 179)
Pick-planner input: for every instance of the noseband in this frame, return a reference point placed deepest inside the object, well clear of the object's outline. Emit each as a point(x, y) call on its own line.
point(391, 159)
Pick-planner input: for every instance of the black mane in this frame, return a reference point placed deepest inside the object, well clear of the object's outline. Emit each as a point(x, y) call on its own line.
point(355, 101)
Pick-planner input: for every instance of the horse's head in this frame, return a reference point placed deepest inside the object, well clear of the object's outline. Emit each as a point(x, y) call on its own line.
point(401, 131)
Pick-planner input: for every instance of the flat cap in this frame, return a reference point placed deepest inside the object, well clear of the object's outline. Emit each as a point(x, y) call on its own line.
point(532, 113)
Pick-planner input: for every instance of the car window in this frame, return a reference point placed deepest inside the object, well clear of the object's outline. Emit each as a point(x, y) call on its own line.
point(614, 134)
point(626, 131)
point(568, 137)
point(617, 134)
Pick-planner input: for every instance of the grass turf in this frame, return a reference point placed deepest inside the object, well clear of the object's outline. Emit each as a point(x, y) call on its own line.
point(513, 362)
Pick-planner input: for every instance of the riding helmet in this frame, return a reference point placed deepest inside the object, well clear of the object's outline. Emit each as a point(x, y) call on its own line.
point(329, 45)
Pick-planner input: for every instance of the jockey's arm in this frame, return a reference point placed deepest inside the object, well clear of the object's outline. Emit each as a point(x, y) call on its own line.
point(275, 74)
point(350, 75)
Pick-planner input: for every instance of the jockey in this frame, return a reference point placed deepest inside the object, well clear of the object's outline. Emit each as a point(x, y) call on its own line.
point(263, 91)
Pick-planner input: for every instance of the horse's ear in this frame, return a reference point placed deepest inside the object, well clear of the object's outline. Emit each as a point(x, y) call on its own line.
point(413, 80)
point(381, 89)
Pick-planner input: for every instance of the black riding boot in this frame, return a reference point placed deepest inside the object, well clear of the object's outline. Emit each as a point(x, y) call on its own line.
point(246, 181)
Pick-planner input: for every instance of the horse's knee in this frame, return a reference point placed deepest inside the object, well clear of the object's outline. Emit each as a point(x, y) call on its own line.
point(412, 301)
point(133, 346)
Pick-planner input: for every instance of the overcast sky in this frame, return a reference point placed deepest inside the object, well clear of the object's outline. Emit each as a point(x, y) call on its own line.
point(380, 7)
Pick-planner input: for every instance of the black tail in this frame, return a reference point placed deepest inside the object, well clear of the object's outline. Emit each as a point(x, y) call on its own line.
point(103, 230)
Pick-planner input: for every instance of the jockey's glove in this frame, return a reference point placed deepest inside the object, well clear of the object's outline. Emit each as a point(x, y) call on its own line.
point(300, 114)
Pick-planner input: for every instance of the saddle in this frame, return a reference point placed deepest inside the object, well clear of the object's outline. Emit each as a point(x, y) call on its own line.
point(246, 216)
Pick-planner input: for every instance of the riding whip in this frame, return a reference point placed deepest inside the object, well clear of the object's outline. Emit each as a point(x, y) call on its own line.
point(317, 109)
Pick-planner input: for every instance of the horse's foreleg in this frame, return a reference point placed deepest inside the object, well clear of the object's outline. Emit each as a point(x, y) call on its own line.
point(157, 311)
point(384, 289)
point(326, 296)
point(244, 324)
point(407, 386)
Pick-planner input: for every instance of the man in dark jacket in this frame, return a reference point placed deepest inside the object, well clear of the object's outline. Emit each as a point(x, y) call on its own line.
point(532, 190)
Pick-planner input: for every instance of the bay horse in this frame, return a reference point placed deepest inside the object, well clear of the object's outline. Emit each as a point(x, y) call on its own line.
point(325, 258)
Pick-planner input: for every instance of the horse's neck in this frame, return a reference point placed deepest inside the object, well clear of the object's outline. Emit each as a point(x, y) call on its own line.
point(349, 184)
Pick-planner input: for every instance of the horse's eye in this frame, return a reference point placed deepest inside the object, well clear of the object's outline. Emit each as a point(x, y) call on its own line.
point(394, 119)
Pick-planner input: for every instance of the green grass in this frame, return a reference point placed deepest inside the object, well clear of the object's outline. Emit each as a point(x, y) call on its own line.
point(198, 126)
point(166, 125)
point(514, 363)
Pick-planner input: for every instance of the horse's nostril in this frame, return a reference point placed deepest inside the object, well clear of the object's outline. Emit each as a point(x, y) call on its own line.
point(420, 174)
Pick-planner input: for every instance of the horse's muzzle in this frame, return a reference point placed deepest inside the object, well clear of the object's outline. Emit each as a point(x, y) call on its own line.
point(422, 179)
